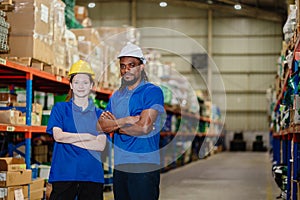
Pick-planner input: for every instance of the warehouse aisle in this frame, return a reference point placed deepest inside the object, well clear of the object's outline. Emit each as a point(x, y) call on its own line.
point(226, 176)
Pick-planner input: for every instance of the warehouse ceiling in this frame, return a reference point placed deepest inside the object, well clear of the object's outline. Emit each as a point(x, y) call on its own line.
point(273, 10)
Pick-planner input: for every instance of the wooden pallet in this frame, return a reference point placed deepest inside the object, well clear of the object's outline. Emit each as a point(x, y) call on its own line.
point(7, 5)
point(34, 63)
point(60, 71)
point(42, 66)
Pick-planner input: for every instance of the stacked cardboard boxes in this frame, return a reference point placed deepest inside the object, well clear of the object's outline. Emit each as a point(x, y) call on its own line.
point(90, 49)
point(59, 28)
point(37, 31)
point(14, 178)
point(37, 188)
point(40, 153)
point(31, 33)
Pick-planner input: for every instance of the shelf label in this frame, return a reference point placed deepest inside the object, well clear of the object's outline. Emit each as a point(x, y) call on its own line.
point(10, 128)
point(2, 61)
point(58, 78)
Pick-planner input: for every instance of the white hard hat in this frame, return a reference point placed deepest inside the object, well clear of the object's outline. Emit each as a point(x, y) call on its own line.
point(132, 50)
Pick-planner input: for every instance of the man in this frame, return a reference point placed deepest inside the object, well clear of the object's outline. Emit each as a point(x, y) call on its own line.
point(134, 115)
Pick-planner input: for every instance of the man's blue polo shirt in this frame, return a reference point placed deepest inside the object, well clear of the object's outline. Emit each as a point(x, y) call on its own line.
point(137, 149)
point(69, 162)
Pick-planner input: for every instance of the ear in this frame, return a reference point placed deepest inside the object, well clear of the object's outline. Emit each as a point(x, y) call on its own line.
point(71, 86)
point(142, 67)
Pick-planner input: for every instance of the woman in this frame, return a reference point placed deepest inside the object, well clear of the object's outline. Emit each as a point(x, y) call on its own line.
point(76, 170)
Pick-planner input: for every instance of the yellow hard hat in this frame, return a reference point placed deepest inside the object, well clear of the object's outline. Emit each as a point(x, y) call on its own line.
point(81, 67)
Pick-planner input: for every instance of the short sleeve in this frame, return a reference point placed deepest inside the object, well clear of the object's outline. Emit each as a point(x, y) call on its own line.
point(56, 118)
point(98, 112)
point(154, 99)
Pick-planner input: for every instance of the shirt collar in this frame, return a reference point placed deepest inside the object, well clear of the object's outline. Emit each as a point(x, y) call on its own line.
point(90, 107)
point(139, 85)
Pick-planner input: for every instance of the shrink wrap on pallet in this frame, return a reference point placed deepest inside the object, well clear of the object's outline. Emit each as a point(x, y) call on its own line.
point(31, 33)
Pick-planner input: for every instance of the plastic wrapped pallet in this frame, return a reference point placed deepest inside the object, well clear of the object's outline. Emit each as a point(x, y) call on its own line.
point(72, 52)
point(31, 33)
point(71, 21)
point(90, 49)
point(59, 27)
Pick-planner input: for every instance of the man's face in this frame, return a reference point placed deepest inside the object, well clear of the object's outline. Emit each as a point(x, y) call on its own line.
point(130, 69)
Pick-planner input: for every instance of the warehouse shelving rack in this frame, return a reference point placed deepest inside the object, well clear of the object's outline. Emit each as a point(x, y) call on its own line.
point(197, 137)
point(286, 142)
point(17, 74)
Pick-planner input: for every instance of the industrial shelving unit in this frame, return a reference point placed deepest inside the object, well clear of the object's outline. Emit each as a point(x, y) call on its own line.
point(286, 141)
point(197, 149)
point(16, 74)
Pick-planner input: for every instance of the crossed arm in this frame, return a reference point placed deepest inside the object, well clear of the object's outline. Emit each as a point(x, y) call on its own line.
point(83, 140)
point(131, 125)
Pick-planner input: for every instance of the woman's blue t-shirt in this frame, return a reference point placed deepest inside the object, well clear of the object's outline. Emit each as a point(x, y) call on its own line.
point(69, 162)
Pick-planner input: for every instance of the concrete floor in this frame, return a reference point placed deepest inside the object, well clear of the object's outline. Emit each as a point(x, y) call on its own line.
point(224, 176)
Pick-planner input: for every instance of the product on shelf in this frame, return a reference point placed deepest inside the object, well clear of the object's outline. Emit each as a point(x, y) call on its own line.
point(35, 37)
point(4, 29)
point(71, 21)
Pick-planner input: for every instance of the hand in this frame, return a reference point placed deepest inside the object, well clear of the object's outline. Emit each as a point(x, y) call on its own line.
point(101, 137)
point(107, 115)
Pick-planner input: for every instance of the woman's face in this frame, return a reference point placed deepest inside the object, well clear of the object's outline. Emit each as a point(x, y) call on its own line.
point(81, 85)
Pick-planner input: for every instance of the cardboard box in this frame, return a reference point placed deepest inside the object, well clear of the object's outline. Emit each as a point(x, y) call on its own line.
point(59, 26)
point(31, 32)
point(113, 35)
point(36, 119)
point(13, 178)
point(87, 35)
point(12, 164)
point(37, 184)
point(8, 98)
point(8, 193)
point(21, 120)
point(9, 116)
point(90, 49)
point(81, 12)
point(37, 188)
point(37, 194)
point(31, 47)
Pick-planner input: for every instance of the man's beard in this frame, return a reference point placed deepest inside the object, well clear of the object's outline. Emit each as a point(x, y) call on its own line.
point(128, 83)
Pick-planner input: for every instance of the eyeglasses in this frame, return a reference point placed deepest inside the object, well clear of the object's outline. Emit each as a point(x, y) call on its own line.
point(128, 66)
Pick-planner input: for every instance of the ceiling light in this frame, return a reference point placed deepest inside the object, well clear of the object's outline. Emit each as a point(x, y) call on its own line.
point(210, 2)
point(238, 6)
point(91, 5)
point(163, 4)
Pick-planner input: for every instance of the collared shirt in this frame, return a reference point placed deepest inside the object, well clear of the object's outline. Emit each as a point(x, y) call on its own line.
point(137, 149)
point(69, 162)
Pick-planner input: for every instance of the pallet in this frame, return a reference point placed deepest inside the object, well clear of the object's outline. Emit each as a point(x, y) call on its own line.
point(60, 71)
point(42, 66)
point(34, 63)
point(7, 5)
